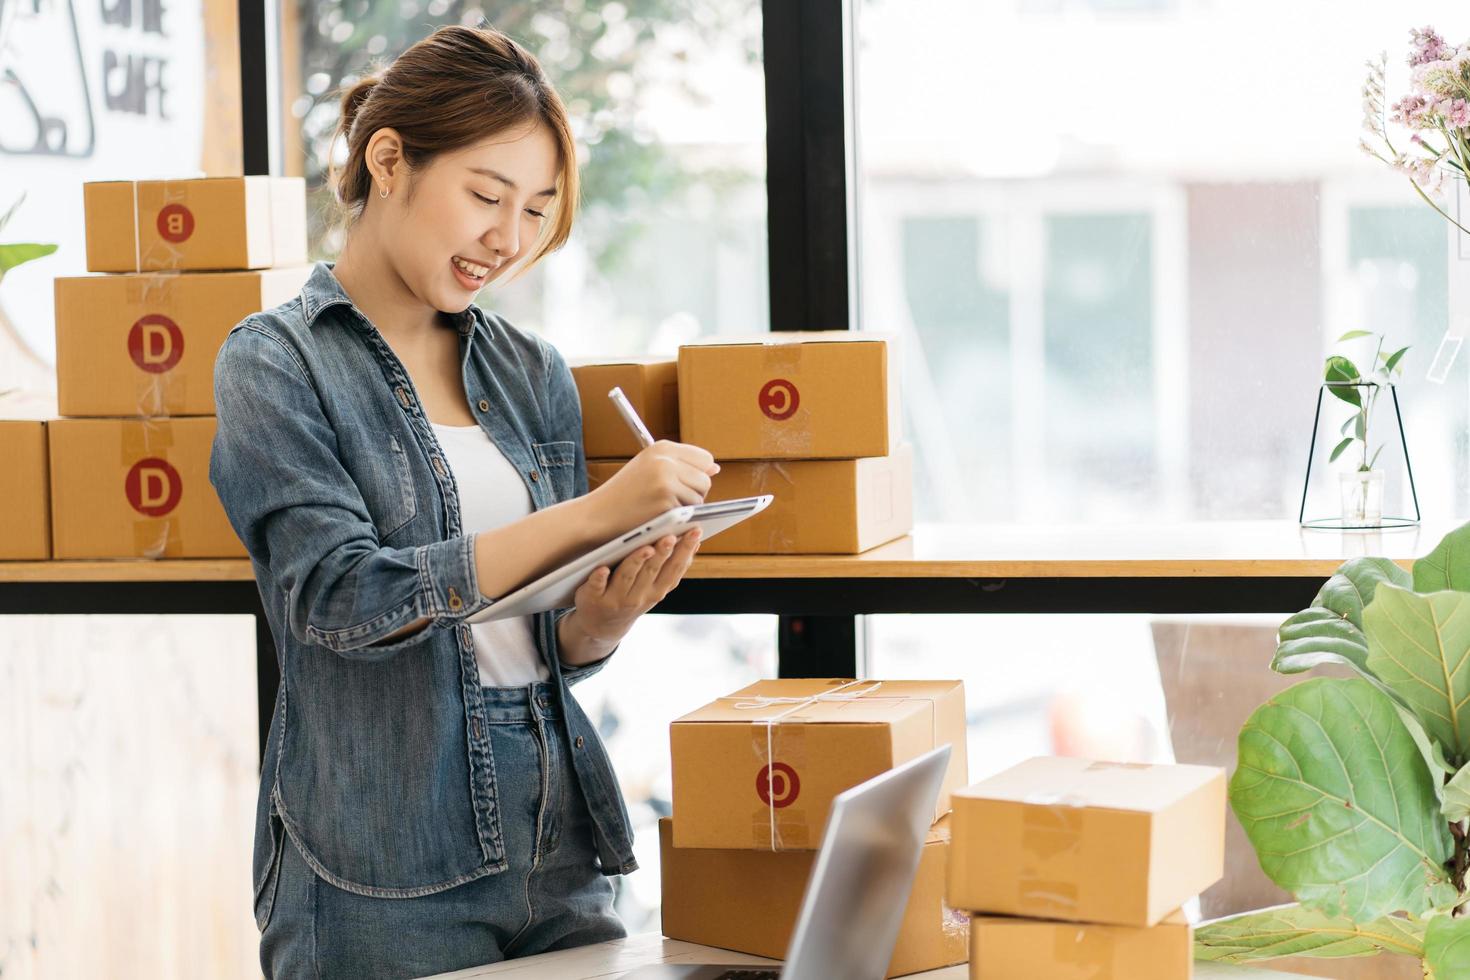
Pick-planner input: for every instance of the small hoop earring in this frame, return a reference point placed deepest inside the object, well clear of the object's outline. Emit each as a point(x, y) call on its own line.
point(383, 193)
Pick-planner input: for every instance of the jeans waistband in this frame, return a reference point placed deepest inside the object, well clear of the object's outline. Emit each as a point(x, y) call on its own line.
point(507, 705)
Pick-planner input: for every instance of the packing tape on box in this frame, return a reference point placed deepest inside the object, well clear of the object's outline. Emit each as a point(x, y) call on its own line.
point(778, 527)
point(756, 702)
point(159, 194)
point(792, 436)
point(1051, 827)
point(142, 439)
point(155, 293)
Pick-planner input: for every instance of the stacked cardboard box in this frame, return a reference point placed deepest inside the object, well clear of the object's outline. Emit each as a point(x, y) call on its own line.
point(25, 524)
point(1079, 869)
point(135, 350)
point(812, 418)
point(754, 777)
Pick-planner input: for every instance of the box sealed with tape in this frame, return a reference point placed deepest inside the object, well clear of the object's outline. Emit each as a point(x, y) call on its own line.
point(136, 488)
point(144, 344)
point(821, 506)
point(1003, 948)
point(201, 223)
point(759, 768)
point(652, 387)
point(25, 520)
point(817, 395)
point(1070, 839)
point(748, 901)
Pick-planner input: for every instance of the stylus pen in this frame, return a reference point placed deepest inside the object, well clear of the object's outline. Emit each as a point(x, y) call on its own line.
point(625, 409)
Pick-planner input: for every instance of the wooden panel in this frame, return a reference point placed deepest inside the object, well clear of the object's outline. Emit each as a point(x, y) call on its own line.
point(127, 833)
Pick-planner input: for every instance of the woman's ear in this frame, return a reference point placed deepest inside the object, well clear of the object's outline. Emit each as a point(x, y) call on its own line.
point(384, 158)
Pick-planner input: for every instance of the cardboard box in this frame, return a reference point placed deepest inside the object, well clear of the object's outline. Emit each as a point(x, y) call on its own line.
point(136, 488)
point(758, 769)
point(1057, 838)
point(819, 395)
point(652, 387)
point(25, 520)
point(145, 344)
point(205, 223)
point(748, 901)
point(1025, 949)
point(823, 506)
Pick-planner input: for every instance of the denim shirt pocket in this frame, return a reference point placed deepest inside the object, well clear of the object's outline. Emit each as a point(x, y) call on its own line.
point(390, 494)
point(558, 461)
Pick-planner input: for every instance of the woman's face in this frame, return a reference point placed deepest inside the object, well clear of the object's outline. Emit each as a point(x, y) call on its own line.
point(473, 213)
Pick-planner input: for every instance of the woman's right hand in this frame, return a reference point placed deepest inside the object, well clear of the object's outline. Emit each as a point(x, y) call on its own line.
point(663, 476)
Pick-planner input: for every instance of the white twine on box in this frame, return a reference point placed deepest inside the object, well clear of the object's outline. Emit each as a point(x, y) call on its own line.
point(758, 701)
point(762, 701)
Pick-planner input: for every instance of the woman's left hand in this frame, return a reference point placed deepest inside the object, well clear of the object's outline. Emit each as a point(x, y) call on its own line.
point(609, 601)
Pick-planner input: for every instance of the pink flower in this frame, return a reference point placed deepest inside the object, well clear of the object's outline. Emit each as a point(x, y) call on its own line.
point(1410, 111)
point(1425, 46)
point(1456, 113)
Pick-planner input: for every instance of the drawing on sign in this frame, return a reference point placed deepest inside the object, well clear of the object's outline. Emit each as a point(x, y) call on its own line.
point(45, 106)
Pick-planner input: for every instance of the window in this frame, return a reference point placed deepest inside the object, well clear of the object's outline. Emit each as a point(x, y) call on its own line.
point(1117, 263)
point(667, 102)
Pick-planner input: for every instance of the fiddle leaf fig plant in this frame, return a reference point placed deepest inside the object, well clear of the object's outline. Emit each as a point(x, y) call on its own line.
point(1355, 792)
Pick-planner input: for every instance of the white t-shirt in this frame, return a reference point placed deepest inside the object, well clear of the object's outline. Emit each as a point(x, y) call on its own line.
point(492, 494)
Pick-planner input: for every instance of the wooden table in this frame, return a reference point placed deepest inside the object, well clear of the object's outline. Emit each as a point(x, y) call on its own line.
point(1221, 567)
point(608, 960)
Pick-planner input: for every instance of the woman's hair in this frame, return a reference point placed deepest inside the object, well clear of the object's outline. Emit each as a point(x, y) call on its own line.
point(454, 88)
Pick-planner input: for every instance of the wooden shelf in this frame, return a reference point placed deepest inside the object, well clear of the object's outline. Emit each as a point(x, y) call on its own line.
point(1229, 549)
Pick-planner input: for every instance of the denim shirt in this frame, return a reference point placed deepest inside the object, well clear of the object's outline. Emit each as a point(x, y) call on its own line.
point(378, 762)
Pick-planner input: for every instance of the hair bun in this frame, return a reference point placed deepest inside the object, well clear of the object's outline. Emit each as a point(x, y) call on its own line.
point(354, 97)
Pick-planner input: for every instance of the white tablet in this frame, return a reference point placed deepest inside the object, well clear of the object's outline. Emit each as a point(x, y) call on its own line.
point(556, 588)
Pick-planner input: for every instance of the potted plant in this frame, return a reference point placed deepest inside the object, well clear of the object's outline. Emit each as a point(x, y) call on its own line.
point(1361, 487)
point(1355, 792)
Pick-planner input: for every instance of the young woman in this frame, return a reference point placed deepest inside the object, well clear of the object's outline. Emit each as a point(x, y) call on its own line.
point(394, 458)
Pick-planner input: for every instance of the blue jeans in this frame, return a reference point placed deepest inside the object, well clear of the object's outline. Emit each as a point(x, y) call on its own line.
point(552, 896)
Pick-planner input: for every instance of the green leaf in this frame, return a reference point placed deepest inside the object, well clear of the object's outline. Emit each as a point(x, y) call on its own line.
point(1447, 566)
point(1354, 335)
point(1339, 450)
point(1319, 636)
point(1360, 426)
point(1393, 359)
point(1417, 644)
point(1447, 948)
point(1353, 586)
point(1456, 805)
point(1339, 805)
point(1348, 423)
point(13, 255)
point(1340, 369)
point(1291, 930)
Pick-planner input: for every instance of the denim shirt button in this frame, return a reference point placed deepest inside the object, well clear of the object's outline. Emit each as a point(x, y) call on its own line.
point(402, 397)
point(484, 405)
point(535, 476)
point(455, 602)
point(580, 741)
point(439, 466)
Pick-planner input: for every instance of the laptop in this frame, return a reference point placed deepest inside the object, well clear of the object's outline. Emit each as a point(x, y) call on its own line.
point(855, 898)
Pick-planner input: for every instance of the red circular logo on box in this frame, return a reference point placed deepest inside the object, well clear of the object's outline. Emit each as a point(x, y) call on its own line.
point(153, 487)
point(155, 343)
point(175, 223)
point(777, 785)
point(779, 398)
